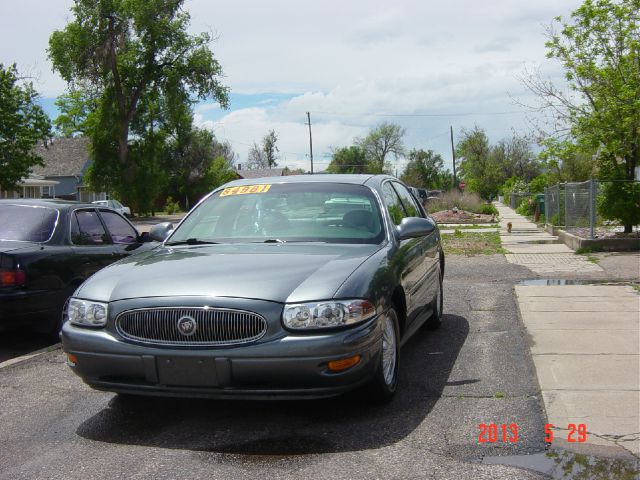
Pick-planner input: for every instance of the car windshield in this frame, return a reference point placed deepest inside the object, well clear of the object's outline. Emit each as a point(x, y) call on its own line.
point(27, 223)
point(302, 212)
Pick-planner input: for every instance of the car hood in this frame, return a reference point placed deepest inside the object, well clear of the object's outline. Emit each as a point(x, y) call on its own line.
point(293, 272)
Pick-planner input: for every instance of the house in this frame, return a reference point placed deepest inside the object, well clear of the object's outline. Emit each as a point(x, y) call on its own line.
point(65, 163)
point(35, 186)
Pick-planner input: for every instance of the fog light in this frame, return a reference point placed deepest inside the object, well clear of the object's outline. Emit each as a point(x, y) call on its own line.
point(71, 359)
point(343, 364)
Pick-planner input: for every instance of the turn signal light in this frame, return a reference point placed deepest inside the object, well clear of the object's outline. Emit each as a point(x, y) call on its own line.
point(343, 364)
point(72, 359)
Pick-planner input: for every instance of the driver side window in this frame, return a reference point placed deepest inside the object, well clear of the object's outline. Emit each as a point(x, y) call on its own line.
point(408, 200)
point(393, 203)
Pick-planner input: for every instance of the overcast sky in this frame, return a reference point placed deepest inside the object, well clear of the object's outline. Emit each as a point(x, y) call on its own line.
point(352, 64)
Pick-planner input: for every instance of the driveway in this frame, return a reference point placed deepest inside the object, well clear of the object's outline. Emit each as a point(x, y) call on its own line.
point(475, 369)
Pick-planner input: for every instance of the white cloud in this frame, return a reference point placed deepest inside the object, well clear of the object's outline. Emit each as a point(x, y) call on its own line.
point(243, 127)
point(346, 58)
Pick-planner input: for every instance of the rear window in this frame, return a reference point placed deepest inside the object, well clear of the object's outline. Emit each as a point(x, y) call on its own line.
point(27, 223)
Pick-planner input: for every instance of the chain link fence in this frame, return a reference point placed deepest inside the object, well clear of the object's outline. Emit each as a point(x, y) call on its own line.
point(517, 197)
point(573, 206)
point(554, 205)
point(580, 206)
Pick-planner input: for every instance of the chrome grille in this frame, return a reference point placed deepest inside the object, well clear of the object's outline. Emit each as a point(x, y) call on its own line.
point(215, 326)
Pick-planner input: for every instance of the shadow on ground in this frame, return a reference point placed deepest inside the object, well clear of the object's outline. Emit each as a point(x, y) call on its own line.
point(15, 343)
point(346, 423)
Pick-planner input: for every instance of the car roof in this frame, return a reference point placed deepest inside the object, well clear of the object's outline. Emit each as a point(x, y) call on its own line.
point(356, 179)
point(45, 202)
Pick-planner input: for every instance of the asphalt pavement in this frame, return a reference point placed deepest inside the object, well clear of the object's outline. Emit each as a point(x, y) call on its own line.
point(476, 369)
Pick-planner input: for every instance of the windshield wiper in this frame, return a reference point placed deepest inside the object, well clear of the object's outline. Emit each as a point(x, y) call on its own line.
point(274, 240)
point(193, 241)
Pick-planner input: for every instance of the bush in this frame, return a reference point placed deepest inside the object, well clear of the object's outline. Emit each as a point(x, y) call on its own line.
point(171, 207)
point(488, 209)
point(470, 202)
point(525, 208)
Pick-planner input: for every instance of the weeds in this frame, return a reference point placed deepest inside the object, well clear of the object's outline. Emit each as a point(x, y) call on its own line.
point(470, 202)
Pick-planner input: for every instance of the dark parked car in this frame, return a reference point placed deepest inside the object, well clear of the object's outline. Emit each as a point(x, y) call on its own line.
point(47, 249)
point(420, 194)
point(301, 286)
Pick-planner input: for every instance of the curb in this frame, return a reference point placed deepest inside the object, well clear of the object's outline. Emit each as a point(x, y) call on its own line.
point(28, 356)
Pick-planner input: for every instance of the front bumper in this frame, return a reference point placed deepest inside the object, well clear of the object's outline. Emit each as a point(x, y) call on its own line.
point(290, 366)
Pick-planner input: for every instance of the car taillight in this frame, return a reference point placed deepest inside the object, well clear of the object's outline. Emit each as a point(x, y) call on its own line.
point(12, 278)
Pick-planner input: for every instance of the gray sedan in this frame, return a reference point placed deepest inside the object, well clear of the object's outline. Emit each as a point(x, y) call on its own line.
point(287, 287)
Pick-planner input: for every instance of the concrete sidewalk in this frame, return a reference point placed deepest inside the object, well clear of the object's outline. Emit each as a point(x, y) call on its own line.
point(585, 343)
point(536, 249)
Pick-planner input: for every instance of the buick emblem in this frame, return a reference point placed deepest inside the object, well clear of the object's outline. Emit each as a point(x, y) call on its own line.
point(187, 326)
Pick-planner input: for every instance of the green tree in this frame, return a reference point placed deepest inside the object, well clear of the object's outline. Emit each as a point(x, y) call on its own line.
point(384, 140)
point(23, 124)
point(425, 170)
point(270, 148)
point(599, 50)
point(190, 160)
point(348, 160)
point(135, 55)
point(76, 108)
point(219, 172)
point(514, 158)
point(566, 162)
point(477, 166)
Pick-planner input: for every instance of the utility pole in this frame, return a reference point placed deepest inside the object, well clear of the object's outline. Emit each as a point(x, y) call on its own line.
point(310, 141)
point(453, 155)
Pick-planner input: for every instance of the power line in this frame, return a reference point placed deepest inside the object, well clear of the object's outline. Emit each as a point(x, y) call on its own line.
point(460, 114)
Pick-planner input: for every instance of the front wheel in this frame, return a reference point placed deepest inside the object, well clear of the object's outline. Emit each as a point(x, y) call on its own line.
point(384, 383)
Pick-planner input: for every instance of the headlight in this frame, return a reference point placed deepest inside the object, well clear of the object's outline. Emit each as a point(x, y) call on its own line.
point(329, 314)
point(87, 313)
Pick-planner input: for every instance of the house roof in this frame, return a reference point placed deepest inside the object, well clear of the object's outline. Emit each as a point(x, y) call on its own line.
point(63, 157)
point(260, 172)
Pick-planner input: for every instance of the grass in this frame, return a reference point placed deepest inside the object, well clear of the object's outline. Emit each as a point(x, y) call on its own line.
point(586, 250)
point(499, 395)
point(592, 259)
point(472, 243)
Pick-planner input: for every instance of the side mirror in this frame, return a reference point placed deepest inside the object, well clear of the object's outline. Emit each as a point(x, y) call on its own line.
point(161, 231)
point(412, 227)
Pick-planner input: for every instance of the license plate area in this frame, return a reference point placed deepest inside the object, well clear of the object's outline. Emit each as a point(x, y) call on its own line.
point(187, 371)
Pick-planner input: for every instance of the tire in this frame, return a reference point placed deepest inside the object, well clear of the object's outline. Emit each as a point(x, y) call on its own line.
point(56, 326)
point(434, 322)
point(385, 381)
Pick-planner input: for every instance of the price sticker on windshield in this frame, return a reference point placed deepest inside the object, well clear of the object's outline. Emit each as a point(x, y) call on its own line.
point(261, 188)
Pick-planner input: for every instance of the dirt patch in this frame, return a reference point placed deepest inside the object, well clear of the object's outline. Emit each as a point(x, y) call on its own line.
point(462, 216)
